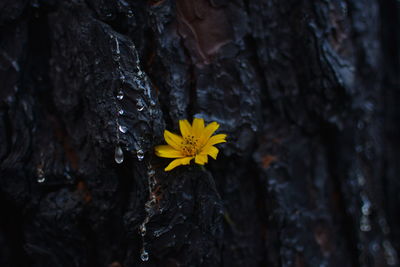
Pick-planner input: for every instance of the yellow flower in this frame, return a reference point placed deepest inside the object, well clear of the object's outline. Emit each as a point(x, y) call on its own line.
point(195, 143)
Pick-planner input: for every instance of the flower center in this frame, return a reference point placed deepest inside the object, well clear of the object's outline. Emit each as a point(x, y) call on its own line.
point(189, 145)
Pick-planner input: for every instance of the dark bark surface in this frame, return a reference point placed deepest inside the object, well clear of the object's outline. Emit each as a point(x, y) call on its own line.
point(307, 91)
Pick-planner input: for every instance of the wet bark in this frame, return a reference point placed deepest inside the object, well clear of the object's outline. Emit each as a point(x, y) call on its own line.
point(307, 92)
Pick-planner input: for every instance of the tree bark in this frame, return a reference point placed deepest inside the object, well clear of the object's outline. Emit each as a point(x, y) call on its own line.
point(307, 91)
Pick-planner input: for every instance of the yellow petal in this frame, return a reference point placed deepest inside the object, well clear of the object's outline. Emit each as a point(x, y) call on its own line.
point(177, 162)
point(210, 150)
point(216, 139)
point(208, 131)
point(167, 151)
point(185, 127)
point(201, 159)
point(198, 127)
point(173, 140)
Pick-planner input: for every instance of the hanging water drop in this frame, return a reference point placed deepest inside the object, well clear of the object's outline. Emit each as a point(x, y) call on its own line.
point(121, 112)
point(40, 175)
point(130, 14)
point(140, 155)
point(119, 155)
point(366, 208)
point(139, 104)
point(142, 229)
point(122, 129)
point(120, 95)
point(365, 225)
point(144, 256)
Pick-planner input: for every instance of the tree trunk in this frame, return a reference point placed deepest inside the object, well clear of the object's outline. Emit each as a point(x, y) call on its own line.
point(307, 91)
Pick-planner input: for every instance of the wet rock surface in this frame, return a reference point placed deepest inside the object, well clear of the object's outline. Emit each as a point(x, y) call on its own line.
point(306, 91)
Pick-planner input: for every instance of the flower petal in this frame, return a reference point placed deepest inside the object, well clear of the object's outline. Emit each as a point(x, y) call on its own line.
point(173, 140)
point(216, 139)
point(177, 162)
point(201, 159)
point(198, 127)
point(210, 150)
point(185, 127)
point(208, 131)
point(167, 151)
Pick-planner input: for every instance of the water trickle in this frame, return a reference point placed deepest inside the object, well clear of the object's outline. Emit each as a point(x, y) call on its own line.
point(117, 45)
point(120, 95)
point(144, 255)
point(119, 155)
point(139, 104)
point(140, 154)
point(122, 129)
point(121, 112)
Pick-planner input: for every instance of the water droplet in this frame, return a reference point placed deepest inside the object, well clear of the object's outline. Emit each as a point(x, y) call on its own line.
point(360, 179)
point(122, 77)
point(144, 255)
point(390, 253)
point(140, 154)
point(152, 181)
point(142, 229)
point(152, 103)
point(384, 225)
point(139, 104)
point(40, 175)
point(121, 112)
point(365, 225)
point(122, 129)
point(120, 95)
point(116, 56)
point(151, 172)
point(366, 208)
point(67, 175)
point(130, 14)
point(119, 155)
